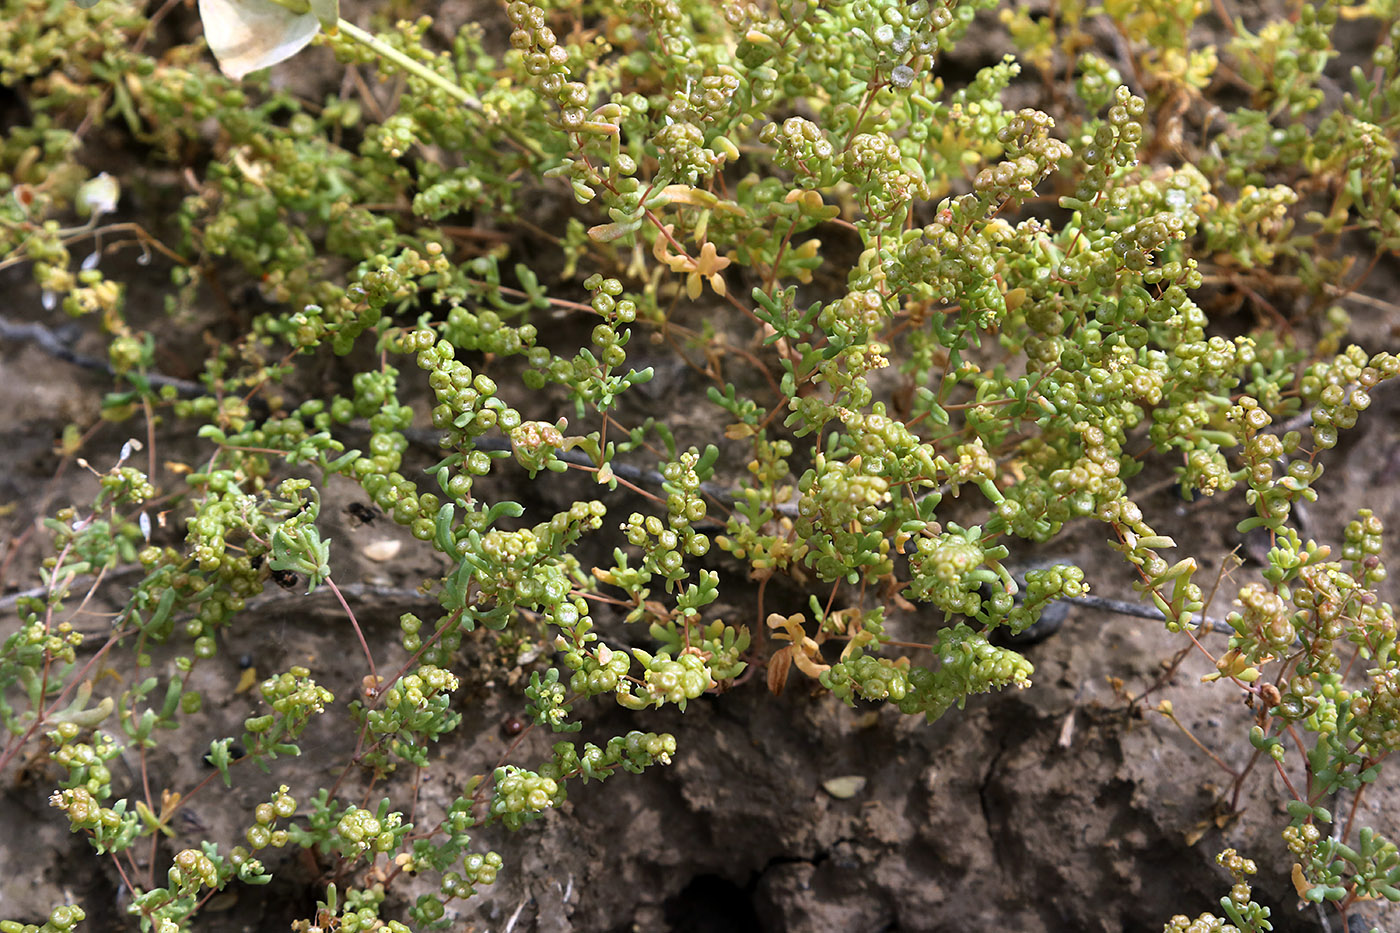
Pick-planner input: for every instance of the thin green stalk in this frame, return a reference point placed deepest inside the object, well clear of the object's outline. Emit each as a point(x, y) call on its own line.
point(386, 51)
point(389, 53)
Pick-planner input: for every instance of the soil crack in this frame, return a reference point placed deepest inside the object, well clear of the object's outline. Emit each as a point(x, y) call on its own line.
point(984, 790)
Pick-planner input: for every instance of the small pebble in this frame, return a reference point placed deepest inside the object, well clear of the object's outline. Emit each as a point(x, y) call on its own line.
point(844, 788)
point(385, 549)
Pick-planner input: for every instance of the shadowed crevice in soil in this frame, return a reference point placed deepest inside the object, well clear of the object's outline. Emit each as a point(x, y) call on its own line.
point(712, 904)
point(991, 820)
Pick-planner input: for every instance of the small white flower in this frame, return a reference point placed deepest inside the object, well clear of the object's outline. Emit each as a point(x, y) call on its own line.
point(99, 195)
point(246, 35)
